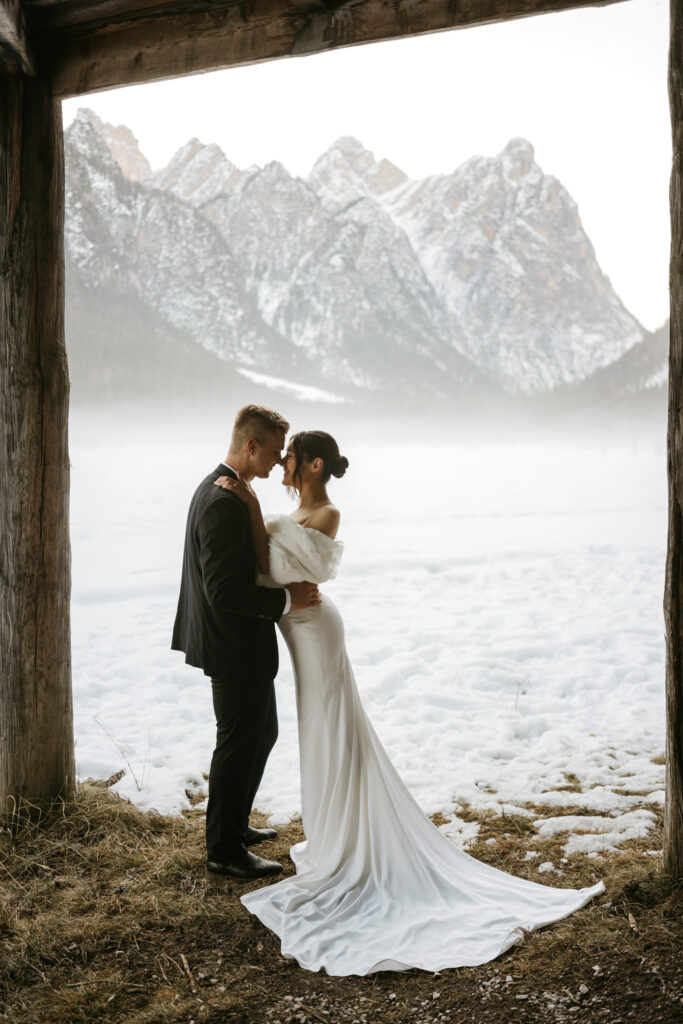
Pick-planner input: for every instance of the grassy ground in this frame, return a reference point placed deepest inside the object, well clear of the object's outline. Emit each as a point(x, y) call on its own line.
point(106, 915)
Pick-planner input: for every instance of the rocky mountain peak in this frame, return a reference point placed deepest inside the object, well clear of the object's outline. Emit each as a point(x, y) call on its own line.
point(184, 155)
point(275, 171)
point(503, 247)
point(347, 171)
point(386, 176)
point(85, 138)
point(351, 149)
point(481, 277)
point(178, 163)
point(517, 158)
point(121, 143)
point(198, 173)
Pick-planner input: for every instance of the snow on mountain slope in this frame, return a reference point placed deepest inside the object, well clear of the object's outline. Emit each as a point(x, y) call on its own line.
point(122, 145)
point(482, 279)
point(347, 171)
point(198, 173)
point(346, 289)
point(503, 246)
point(122, 234)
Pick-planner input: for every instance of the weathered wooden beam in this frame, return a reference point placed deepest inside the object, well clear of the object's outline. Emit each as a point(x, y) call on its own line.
point(51, 15)
point(673, 596)
point(182, 38)
point(15, 55)
point(36, 729)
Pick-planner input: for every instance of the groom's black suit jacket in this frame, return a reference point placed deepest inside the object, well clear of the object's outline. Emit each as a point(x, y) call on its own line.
point(224, 622)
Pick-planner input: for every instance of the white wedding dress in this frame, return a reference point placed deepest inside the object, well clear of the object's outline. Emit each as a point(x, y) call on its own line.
point(377, 886)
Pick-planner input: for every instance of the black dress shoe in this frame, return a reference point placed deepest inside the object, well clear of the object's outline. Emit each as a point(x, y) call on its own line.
point(244, 865)
point(258, 835)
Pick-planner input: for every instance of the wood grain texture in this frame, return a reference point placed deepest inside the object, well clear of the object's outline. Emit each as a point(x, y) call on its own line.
point(55, 15)
point(182, 38)
point(15, 52)
point(673, 596)
point(36, 730)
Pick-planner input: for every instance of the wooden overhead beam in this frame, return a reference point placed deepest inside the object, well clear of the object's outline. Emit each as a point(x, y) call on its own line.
point(56, 15)
point(15, 53)
point(142, 43)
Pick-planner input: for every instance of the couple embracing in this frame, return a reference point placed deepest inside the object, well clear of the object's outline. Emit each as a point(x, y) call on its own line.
point(377, 886)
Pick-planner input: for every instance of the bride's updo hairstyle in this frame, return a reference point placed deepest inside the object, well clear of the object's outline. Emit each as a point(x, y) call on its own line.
point(316, 444)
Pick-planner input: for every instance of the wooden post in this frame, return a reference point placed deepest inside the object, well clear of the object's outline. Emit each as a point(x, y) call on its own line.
point(673, 594)
point(36, 720)
point(15, 52)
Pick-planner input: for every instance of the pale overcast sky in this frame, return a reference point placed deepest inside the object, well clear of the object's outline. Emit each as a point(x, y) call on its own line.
point(588, 88)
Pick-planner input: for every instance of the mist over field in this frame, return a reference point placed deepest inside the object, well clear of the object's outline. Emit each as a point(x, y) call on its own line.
point(501, 593)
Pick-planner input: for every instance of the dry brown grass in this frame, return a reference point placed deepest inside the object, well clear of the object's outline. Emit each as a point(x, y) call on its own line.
point(106, 915)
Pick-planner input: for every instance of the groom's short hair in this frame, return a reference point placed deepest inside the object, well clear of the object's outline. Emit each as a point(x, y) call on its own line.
point(258, 422)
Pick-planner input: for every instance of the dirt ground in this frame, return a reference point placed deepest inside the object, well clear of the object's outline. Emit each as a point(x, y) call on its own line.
point(106, 914)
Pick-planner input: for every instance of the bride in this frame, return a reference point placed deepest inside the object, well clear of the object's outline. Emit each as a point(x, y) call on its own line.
point(377, 885)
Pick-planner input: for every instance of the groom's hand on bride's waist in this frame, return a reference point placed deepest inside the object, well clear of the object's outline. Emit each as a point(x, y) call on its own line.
point(304, 595)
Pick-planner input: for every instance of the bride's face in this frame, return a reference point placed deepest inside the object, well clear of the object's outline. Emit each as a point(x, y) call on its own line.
point(288, 466)
point(292, 478)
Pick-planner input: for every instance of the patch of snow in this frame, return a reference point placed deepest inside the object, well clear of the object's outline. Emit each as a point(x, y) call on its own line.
point(504, 623)
point(658, 379)
point(460, 832)
point(303, 392)
point(597, 833)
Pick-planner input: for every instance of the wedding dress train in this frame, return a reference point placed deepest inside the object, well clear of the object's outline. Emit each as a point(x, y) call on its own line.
point(377, 886)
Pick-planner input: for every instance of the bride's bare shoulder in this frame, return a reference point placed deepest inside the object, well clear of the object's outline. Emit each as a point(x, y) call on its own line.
point(325, 520)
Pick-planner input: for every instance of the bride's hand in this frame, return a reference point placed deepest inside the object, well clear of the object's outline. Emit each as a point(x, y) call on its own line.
point(240, 488)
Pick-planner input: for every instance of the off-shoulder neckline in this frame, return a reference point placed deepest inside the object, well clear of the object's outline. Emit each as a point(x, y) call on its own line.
point(320, 532)
point(312, 529)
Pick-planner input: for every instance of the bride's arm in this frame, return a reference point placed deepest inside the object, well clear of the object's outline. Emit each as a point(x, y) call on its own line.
point(243, 491)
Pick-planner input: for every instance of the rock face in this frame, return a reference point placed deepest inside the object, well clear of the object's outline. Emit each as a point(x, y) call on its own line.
point(642, 371)
point(348, 291)
point(121, 234)
point(479, 280)
point(502, 245)
point(198, 173)
point(347, 171)
point(122, 145)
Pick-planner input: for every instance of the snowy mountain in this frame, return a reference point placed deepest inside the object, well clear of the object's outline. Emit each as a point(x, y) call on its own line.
point(356, 279)
point(123, 234)
point(347, 290)
point(198, 173)
point(503, 247)
point(347, 171)
point(122, 145)
point(643, 370)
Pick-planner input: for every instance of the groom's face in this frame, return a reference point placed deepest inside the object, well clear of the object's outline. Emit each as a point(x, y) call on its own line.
point(268, 454)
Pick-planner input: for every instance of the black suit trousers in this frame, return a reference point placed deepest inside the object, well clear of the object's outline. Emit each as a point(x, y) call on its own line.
point(246, 729)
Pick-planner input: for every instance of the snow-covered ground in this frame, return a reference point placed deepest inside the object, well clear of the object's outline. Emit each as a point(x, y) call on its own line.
point(503, 609)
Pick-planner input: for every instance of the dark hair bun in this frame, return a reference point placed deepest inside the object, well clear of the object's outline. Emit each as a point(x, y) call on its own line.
point(317, 444)
point(340, 466)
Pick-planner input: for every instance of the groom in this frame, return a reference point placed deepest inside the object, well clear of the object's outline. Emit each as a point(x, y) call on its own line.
point(225, 626)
